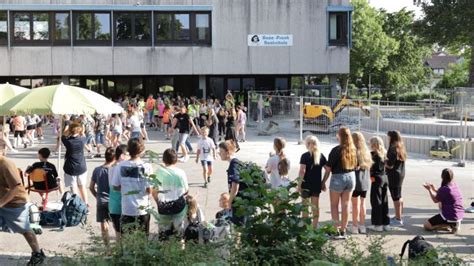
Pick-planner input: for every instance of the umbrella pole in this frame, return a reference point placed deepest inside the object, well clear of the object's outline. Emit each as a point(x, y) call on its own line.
point(60, 143)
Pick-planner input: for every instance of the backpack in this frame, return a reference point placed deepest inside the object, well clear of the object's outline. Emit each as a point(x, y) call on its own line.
point(192, 232)
point(74, 209)
point(52, 218)
point(418, 247)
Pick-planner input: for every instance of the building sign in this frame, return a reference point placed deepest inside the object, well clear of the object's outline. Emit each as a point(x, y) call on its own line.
point(270, 40)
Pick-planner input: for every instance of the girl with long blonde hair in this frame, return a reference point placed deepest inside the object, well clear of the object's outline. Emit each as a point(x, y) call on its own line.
point(342, 163)
point(362, 174)
point(310, 175)
point(379, 187)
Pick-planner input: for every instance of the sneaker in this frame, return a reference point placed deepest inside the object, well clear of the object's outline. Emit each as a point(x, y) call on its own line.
point(455, 228)
point(97, 155)
point(342, 235)
point(184, 159)
point(470, 209)
point(25, 145)
point(354, 230)
point(205, 184)
point(387, 228)
point(362, 229)
point(37, 258)
point(395, 222)
point(208, 179)
point(377, 228)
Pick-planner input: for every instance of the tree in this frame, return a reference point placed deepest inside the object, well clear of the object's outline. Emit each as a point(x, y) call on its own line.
point(405, 70)
point(449, 23)
point(455, 76)
point(371, 46)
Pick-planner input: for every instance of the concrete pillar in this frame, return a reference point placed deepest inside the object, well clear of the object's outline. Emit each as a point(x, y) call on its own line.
point(202, 85)
point(333, 83)
point(65, 80)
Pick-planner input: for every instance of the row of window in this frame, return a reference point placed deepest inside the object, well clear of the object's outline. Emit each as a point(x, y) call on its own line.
point(97, 28)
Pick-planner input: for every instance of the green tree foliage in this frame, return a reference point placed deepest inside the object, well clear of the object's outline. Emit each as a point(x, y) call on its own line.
point(449, 23)
point(405, 71)
point(386, 47)
point(371, 46)
point(455, 76)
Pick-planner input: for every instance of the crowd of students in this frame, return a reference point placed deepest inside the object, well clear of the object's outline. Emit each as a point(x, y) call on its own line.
point(124, 193)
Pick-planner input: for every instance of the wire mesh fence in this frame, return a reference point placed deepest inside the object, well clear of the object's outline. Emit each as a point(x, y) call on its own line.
point(423, 121)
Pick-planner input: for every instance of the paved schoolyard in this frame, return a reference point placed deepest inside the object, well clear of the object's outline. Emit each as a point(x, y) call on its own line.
point(418, 205)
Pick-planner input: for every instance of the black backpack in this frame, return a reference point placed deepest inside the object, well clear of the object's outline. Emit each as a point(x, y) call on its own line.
point(418, 247)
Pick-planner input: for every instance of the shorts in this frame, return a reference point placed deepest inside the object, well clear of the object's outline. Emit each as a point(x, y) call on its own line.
point(103, 214)
point(142, 221)
point(70, 180)
point(160, 117)
point(89, 139)
point(19, 133)
point(116, 132)
point(116, 221)
point(15, 220)
point(356, 194)
point(342, 182)
point(204, 163)
point(182, 138)
point(307, 193)
point(135, 135)
point(30, 127)
point(99, 138)
point(439, 220)
point(395, 193)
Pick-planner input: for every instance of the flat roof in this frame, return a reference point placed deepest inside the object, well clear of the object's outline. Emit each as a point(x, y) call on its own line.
point(48, 7)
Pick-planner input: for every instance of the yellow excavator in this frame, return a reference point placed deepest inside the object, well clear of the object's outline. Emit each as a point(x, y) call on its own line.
point(325, 115)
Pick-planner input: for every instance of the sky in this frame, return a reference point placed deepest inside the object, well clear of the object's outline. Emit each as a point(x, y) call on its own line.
point(396, 5)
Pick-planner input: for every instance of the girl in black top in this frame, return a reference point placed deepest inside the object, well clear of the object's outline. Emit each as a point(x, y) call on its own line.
point(221, 125)
point(395, 167)
point(378, 191)
point(230, 133)
point(309, 180)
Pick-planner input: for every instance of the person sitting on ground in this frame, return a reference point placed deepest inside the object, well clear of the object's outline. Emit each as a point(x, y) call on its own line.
point(207, 150)
point(449, 198)
point(170, 196)
point(195, 215)
point(226, 209)
point(14, 210)
point(132, 182)
point(49, 170)
point(100, 177)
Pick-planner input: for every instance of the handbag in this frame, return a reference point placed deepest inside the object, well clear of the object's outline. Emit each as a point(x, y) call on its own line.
point(172, 207)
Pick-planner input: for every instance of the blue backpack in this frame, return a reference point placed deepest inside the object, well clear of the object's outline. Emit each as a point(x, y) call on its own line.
point(52, 218)
point(74, 210)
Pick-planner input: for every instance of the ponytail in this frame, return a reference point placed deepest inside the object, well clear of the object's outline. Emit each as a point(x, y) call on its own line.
point(283, 164)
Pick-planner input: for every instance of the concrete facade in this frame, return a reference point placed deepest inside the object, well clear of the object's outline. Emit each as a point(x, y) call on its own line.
point(229, 54)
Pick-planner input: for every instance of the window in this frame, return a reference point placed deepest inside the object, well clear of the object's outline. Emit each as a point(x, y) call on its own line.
point(203, 29)
point(183, 28)
point(92, 28)
point(31, 27)
point(233, 84)
point(132, 28)
point(3, 28)
point(338, 32)
point(61, 28)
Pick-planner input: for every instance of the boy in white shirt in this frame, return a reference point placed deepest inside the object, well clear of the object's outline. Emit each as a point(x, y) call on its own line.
point(207, 149)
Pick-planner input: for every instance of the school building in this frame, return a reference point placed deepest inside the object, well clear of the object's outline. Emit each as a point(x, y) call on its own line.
point(197, 47)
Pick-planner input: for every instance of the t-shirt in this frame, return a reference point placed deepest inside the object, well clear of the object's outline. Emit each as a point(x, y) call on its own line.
point(134, 123)
point(182, 123)
point(100, 123)
point(150, 104)
point(272, 166)
point(233, 175)
point(133, 180)
point(335, 162)
point(313, 173)
point(392, 160)
point(51, 174)
point(173, 183)
point(10, 178)
point(75, 162)
point(100, 176)
point(451, 202)
point(161, 108)
point(206, 146)
point(115, 197)
point(378, 167)
point(19, 123)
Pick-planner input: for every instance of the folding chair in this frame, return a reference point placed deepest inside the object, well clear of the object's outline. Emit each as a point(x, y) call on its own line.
point(39, 176)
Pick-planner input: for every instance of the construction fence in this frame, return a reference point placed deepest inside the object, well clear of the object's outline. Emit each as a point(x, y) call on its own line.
point(420, 123)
